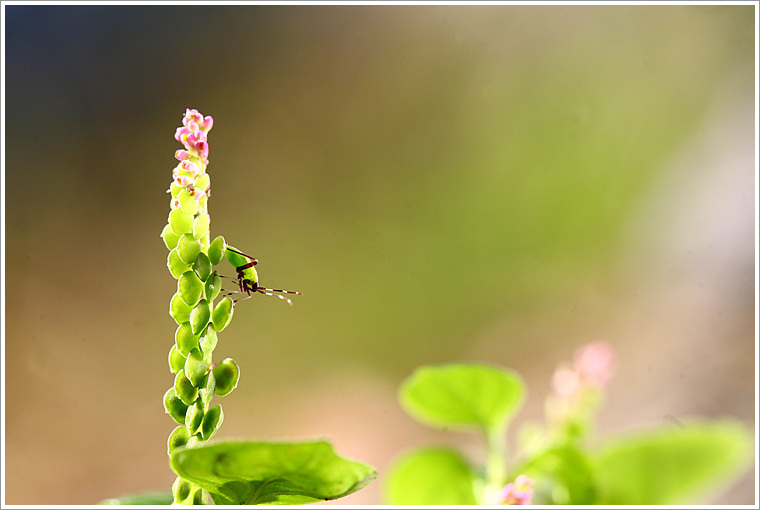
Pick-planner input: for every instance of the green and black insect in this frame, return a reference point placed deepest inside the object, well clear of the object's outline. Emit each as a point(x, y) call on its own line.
point(248, 279)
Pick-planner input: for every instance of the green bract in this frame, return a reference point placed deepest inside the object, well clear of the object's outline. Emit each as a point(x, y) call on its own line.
point(187, 202)
point(188, 248)
point(249, 473)
point(216, 250)
point(190, 288)
point(213, 286)
point(185, 340)
point(184, 389)
point(200, 316)
point(226, 375)
point(178, 437)
point(194, 417)
point(179, 310)
point(176, 360)
point(175, 264)
point(222, 314)
point(208, 340)
point(180, 221)
point(202, 267)
point(195, 367)
point(201, 226)
point(174, 407)
point(212, 420)
point(169, 237)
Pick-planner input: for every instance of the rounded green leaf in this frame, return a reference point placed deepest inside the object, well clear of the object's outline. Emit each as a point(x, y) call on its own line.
point(188, 249)
point(216, 250)
point(208, 340)
point(185, 340)
point(184, 389)
point(222, 314)
point(177, 438)
point(672, 465)
point(212, 420)
point(200, 316)
point(175, 264)
point(176, 359)
point(180, 221)
point(187, 202)
point(195, 367)
point(190, 288)
point(202, 268)
point(179, 310)
point(201, 225)
point(194, 417)
point(175, 188)
point(226, 375)
point(174, 407)
point(208, 391)
point(250, 473)
point(213, 286)
point(169, 237)
point(463, 395)
point(430, 476)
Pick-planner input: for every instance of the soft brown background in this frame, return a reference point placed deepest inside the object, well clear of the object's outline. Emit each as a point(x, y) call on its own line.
point(495, 183)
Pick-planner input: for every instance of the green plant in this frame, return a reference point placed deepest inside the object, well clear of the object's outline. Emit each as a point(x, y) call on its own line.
point(554, 464)
point(232, 471)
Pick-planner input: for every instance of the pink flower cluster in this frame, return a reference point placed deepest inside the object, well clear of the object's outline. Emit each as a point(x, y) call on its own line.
point(194, 157)
point(593, 366)
point(192, 135)
point(518, 493)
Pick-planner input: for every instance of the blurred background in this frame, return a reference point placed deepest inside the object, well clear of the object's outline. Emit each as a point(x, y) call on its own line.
point(443, 183)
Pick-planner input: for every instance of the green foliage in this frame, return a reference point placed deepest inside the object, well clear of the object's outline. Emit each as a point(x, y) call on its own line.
point(463, 395)
point(662, 466)
point(416, 479)
point(153, 498)
point(248, 473)
point(216, 250)
point(222, 314)
point(670, 465)
point(226, 375)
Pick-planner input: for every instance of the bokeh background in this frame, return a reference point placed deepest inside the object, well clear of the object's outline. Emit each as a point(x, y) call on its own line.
point(493, 183)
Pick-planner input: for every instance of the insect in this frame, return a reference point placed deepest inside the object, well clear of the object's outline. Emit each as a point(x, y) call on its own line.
point(248, 279)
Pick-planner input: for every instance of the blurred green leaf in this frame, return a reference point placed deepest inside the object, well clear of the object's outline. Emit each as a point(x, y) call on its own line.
point(672, 465)
point(463, 395)
point(430, 476)
point(248, 473)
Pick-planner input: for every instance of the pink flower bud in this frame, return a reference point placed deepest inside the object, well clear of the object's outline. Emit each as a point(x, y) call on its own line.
point(518, 493)
point(595, 363)
point(182, 155)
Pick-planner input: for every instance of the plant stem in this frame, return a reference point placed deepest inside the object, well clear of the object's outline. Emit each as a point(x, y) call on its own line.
point(496, 468)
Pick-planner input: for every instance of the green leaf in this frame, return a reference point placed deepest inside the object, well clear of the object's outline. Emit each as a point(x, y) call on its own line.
point(176, 359)
point(463, 395)
point(153, 498)
point(216, 250)
point(208, 342)
point(184, 389)
point(249, 473)
point(670, 465)
point(430, 476)
point(194, 417)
